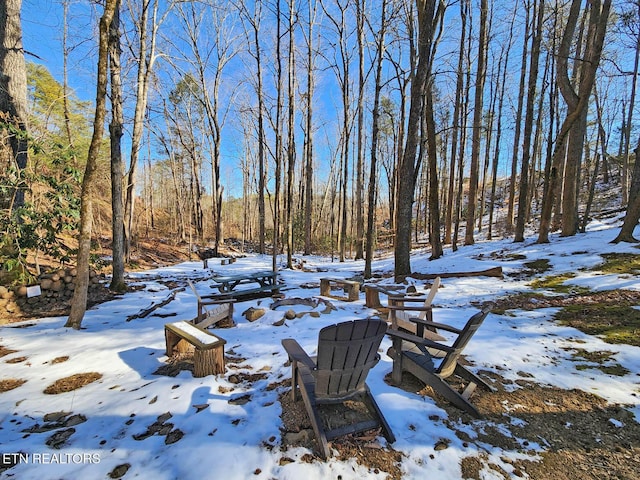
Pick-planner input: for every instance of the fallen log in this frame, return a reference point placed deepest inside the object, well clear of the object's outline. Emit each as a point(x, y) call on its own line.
point(155, 306)
point(490, 272)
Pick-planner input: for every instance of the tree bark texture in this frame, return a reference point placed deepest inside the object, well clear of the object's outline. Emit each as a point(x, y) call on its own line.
point(117, 164)
point(79, 300)
point(407, 168)
point(477, 124)
point(13, 84)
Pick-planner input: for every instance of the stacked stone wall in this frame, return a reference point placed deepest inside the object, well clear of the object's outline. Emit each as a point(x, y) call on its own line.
point(53, 295)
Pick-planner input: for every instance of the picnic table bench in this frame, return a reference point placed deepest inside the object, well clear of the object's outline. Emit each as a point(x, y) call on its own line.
point(266, 281)
point(208, 349)
point(351, 288)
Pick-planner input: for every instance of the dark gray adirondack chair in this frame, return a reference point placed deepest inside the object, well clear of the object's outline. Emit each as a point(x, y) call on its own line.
point(346, 353)
point(434, 370)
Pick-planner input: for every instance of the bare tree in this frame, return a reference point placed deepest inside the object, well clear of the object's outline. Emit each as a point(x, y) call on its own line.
point(481, 74)
point(630, 20)
point(504, 65)
point(375, 130)
point(633, 209)
point(117, 164)
point(455, 132)
point(308, 138)
point(518, 120)
point(291, 141)
point(359, 190)
point(429, 16)
point(79, 300)
point(569, 142)
point(528, 122)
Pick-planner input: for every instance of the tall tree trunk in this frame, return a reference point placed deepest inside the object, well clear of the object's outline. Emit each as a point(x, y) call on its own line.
point(145, 61)
point(254, 20)
point(428, 18)
point(550, 181)
point(278, 141)
point(449, 221)
point(432, 154)
point(504, 54)
point(577, 101)
point(518, 123)
point(633, 209)
point(359, 192)
point(528, 124)
point(65, 74)
point(117, 165)
point(308, 139)
point(477, 124)
point(13, 85)
point(576, 105)
point(291, 146)
point(629, 121)
point(462, 149)
point(79, 300)
point(375, 134)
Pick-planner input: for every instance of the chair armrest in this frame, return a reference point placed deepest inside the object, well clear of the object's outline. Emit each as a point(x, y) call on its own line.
point(405, 308)
point(436, 325)
point(418, 340)
point(402, 297)
point(296, 353)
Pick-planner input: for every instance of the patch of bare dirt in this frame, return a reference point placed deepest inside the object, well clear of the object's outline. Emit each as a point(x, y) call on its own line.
point(4, 351)
point(581, 436)
point(568, 433)
point(7, 384)
point(533, 302)
point(71, 383)
point(297, 432)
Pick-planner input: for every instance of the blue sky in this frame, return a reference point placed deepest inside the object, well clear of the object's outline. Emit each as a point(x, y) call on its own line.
point(42, 27)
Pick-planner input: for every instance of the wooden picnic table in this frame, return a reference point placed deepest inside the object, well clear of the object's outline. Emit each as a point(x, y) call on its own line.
point(266, 280)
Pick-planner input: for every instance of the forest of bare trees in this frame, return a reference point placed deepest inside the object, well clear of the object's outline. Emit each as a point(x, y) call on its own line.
point(330, 126)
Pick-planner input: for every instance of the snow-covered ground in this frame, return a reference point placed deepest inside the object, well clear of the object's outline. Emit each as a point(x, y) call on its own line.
point(229, 440)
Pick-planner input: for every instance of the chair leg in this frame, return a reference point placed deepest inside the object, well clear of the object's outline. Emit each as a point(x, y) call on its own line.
point(388, 434)
point(294, 380)
point(472, 377)
point(396, 373)
point(316, 421)
point(444, 389)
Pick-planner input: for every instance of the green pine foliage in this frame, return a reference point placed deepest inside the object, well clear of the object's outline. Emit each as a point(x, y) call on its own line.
point(42, 226)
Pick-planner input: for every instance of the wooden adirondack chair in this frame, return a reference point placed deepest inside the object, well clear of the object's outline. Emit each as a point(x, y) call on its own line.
point(432, 370)
point(219, 309)
point(405, 316)
point(346, 353)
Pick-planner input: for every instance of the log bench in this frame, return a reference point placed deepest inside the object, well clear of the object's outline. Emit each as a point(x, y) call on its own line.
point(372, 294)
point(351, 288)
point(221, 309)
point(208, 349)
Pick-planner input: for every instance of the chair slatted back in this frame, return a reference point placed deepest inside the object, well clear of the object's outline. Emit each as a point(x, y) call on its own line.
point(429, 300)
point(448, 365)
point(346, 353)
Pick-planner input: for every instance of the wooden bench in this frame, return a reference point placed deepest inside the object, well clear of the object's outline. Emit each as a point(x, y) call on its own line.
point(222, 309)
point(351, 288)
point(208, 349)
point(227, 261)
